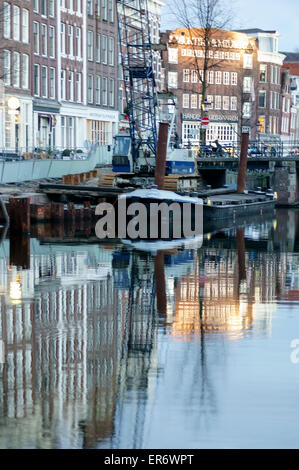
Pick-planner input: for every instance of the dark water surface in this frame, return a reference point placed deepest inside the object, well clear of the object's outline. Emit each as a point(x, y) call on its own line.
point(109, 346)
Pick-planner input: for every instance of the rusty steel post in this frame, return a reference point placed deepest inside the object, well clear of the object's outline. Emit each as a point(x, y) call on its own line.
point(243, 163)
point(161, 155)
point(19, 215)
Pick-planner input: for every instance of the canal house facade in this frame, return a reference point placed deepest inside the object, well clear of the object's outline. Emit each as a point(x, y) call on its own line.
point(59, 62)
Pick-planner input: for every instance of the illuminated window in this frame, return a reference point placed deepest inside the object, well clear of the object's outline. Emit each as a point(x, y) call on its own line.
point(263, 73)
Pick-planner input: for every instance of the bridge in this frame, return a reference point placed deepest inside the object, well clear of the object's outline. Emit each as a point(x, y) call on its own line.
point(279, 173)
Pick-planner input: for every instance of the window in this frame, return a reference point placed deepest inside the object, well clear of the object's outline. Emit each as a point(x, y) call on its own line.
point(90, 89)
point(246, 112)
point(262, 99)
point(173, 55)
point(71, 40)
point(25, 71)
point(185, 100)
point(104, 49)
point(52, 83)
point(277, 75)
point(16, 69)
point(25, 26)
point(111, 51)
point(226, 103)
point(97, 8)
point(172, 79)
point(98, 90)
point(194, 101)
point(62, 38)
point(51, 7)
point(71, 86)
point(210, 77)
point(247, 84)
point(247, 61)
point(78, 42)
point(110, 11)
point(217, 102)
point(44, 82)
point(186, 75)
point(233, 103)
point(44, 42)
point(98, 48)
point(104, 10)
point(90, 45)
point(7, 67)
point(263, 73)
point(104, 91)
point(272, 73)
point(36, 37)
point(194, 76)
point(225, 78)
point(44, 7)
point(234, 78)
point(35, 5)
point(62, 85)
point(111, 92)
point(218, 77)
point(16, 23)
point(78, 87)
point(6, 21)
point(79, 6)
point(52, 41)
point(36, 79)
point(89, 7)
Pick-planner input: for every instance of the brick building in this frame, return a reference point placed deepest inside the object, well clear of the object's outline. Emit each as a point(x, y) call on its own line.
point(269, 68)
point(291, 69)
point(60, 61)
point(231, 83)
point(244, 84)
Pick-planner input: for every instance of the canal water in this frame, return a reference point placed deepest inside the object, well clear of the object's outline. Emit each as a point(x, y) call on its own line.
point(109, 345)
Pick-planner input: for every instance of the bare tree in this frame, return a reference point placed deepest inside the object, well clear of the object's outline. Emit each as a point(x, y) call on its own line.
point(203, 19)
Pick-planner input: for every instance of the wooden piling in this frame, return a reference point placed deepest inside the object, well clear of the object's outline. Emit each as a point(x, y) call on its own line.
point(241, 183)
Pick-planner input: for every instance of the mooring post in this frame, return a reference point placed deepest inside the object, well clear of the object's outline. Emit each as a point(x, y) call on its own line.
point(161, 155)
point(243, 163)
point(19, 215)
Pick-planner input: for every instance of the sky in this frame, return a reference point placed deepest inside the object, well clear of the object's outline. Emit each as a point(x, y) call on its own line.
point(280, 15)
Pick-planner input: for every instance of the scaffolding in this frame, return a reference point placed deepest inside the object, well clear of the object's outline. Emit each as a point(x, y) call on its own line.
point(138, 76)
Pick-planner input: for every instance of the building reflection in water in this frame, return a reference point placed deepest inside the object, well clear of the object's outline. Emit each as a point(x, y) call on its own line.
point(81, 328)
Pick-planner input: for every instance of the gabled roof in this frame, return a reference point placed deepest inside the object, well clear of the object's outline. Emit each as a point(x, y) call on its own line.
point(291, 56)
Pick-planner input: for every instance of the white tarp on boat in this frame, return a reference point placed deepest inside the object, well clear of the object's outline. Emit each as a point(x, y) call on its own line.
point(160, 195)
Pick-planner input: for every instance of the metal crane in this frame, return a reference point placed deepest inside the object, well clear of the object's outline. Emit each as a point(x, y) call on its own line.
point(140, 89)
